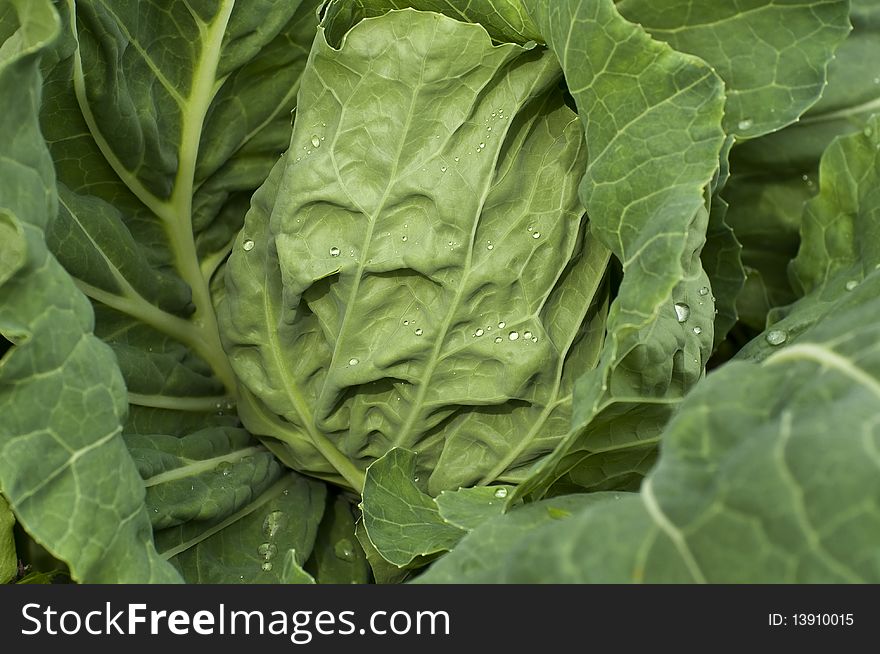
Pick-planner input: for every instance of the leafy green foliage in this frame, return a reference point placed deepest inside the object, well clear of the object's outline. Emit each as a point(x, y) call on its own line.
point(351, 291)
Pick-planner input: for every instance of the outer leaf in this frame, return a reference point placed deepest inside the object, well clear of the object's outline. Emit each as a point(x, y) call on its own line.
point(63, 464)
point(505, 20)
point(402, 522)
point(267, 540)
point(652, 121)
point(769, 471)
point(154, 172)
point(206, 475)
point(776, 174)
point(840, 238)
point(771, 54)
point(8, 558)
point(738, 496)
point(440, 210)
point(480, 556)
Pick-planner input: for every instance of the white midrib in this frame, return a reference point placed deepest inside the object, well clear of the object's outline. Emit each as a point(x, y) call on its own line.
point(193, 468)
point(176, 213)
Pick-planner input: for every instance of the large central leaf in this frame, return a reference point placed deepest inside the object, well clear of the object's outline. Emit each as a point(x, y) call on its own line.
point(416, 271)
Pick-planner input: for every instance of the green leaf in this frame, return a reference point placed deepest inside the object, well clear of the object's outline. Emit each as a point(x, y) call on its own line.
point(403, 523)
point(337, 557)
point(155, 165)
point(440, 210)
point(771, 54)
point(839, 239)
point(769, 469)
point(738, 496)
point(652, 118)
point(8, 557)
point(468, 508)
point(267, 540)
point(383, 571)
point(480, 557)
point(505, 20)
point(63, 464)
point(775, 175)
point(206, 475)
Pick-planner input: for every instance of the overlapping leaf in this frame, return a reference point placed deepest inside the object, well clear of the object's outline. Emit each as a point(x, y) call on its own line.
point(769, 470)
point(63, 464)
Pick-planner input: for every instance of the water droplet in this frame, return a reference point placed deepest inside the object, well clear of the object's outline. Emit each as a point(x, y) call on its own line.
point(457, 159)
point(248, 245)
point(776, 337)
point(851, 285)
point(531, 228)
point(698, 330)
point(225, 468)
point(498, 339)
point(488, 129)
point(353, 361)
point(334, 251)
point(267, 550)
point(344, 550)
point(404, 238)
point(501, 493)
point(419, 332)
point(513, 336)
point(745, 124)
point(682, 311)
point(704, 291)
point(406, 322)
point(267, 566)
point(155, 510)
point(443, 169)
point(489, 246)
point(272, 524)
point(479, 333)
point(285, 492)
point(502, 325)
point(527, 335)
point(316, 142)
point(536, 235)
point(534, 339)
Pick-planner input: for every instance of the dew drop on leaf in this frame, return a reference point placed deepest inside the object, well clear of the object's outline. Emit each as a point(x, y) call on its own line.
point(248, 245)
point(267, 566)
point(513, 336)
point(316, 142)
point(419, 332)
point(272, 524)
point(498, 339)
point(502, 325)
point(527, 335)
point(704, 291)
point(334, 251)
point(536, 235)
point(698, 330)
point(745, 124)
point(851, 285)
point(479, 333)
point(344, 550)
point(501, 493)
point(682, 311)
point(776, 337)
point(353, 362)
point(267, 550)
